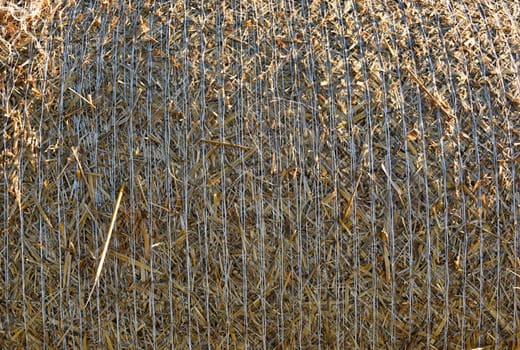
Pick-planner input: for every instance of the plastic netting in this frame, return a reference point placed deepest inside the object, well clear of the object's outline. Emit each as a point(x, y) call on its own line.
point(298, 174)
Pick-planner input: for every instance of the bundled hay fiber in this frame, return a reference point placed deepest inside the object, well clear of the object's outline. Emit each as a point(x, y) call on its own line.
point(259, 174)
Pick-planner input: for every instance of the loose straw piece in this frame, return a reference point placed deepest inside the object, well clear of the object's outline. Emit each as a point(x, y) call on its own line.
point(436, 99)
point(226, 144)
point(107, 242)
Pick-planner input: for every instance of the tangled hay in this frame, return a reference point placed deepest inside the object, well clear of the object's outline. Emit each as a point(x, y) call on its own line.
point(314, 174)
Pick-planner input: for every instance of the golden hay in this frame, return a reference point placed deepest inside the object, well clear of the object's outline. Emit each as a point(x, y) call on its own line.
point(314, 174)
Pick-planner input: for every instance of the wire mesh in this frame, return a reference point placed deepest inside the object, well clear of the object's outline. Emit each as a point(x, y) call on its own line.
point(298, 174)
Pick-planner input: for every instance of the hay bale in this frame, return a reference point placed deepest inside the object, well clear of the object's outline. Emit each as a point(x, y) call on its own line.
point(323, 174)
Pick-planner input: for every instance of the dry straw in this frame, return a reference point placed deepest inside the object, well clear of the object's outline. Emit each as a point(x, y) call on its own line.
point(298, 174)
point(107, 244)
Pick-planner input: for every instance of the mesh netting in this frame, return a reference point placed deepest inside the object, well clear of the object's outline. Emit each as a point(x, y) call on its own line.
point(297, 174)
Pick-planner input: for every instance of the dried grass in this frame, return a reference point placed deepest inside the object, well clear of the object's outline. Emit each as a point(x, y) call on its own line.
point(299, 174)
